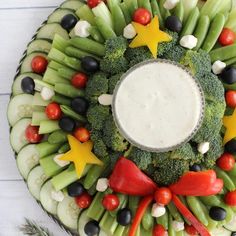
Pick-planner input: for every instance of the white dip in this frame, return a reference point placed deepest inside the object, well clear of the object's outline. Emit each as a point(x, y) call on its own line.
point(157, 106)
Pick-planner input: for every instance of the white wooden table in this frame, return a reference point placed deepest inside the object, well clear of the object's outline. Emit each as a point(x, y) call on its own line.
point(19, 19)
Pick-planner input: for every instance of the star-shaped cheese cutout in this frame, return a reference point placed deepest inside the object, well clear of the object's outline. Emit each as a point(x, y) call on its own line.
point(229, 123)
point(81, 154)
point(149, 35)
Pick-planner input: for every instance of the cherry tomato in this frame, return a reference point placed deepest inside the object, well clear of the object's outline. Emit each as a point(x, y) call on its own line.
point(230, 198)
point(142, 16)
point(32, 134)
point(190, 230)
point(230, 98)
point(93, 3)
point(227, 37)
point(84, 200)
point(159, 230)
point(82, 134)
point(53, 111)
point(39, 64)
point(163, 196)
point(79, 80)
point(226, 162)
point(110, 202)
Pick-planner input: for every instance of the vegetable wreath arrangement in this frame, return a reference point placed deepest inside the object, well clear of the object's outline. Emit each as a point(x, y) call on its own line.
point(67, 110)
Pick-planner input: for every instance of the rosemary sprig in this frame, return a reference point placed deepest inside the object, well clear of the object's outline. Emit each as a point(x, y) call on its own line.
point(31, 228)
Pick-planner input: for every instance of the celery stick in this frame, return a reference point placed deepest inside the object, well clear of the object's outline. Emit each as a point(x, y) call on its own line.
point(106, 31)
point(88, 45)
point(95, 34)
point(133, 204)
point(61, 100)
point(41, 84)
point(123, 203)
point(69, 112)
point(48, 126)
point(52, 77)
point(120, 230)
point(132, 6)
point(85, 13)
point(37, 117)
point(108, 224)
point(46, 148)
point(49, 166)
point(126, 13)
point(59, 43)
point(68, 90)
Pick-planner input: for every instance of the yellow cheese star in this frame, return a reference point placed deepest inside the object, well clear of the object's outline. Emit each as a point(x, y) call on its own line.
point(81, 154)
point(229, 123)
point(149, 35)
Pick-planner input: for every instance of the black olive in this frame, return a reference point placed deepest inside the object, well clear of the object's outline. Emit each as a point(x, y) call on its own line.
point(68, 21)
point(233, 234)
point(173, 23)
point(124, 216)
point(228, 75)
point(67, 124)
point(92, 228)
point(79, 105)
point(75, 189)
point(28, 85)
point(231, 146)
point(195, 167)
point(90, 64)
point(217, 213)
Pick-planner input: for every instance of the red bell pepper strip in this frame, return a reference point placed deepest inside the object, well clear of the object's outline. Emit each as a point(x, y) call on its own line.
point(128, 179)
point(197, 184)
point(202, 230)
point(143, 205)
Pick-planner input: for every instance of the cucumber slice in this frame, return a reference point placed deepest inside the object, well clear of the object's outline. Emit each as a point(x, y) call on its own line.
point(72, 4)
point(49, 204)
point(35, 181)
point(16, 87)
point(220, 232)
point(39, 45)
point(58, 14)
point(231, 225)
point(38, 101)
point(68, 212)
point(17, 135)
point(48, 32)
point(27, 159)
point(26, 64)
point(19, 107)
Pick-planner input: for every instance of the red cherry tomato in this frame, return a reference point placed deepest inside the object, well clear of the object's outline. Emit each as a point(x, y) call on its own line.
point(227, 37)
point(32, 134)
point(93, 3)
point(230, 98)
point(190, 230)
point(163, 196)
point(110, 202)
point(53, 111)
point(39, 64)
point(230, 198)
point(226, 162)
point(79, 80)
point(84, 200)
point(82, 134)
point(142, 16)
point(159, 230)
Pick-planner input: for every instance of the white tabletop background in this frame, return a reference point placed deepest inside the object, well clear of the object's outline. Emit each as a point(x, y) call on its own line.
point(19, 20)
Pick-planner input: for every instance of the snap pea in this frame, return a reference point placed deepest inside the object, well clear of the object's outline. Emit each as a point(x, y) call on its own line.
point(228, 183)
point(156, 12)
point(148, 220)
point(126, 13)
point(164, 12)
point(179, 10)
point(95, 34)
point(64, 148)
point(69, 112)
point(68, 90)
point(230, 62)
point(133, 204)
point(201, 30)
point(144, 232)
point(214, 32)
point(197, 209)
point(123, 203)
point(174, 212)
point(183, 200)
point(211, 200)
point(180, 233)
point(57, 136)
point(145, 4)
point(223, 53)
point(104, 28)
point(171, 231)
point(92, 190)
point(61, 100)
point(191, 23)
point(163, 220)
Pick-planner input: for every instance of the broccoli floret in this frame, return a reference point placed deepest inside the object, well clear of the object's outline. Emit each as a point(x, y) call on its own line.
point(111, 136)
point(198, 62)
point(97, 85)
point(137, 55)
point(99, 147)
point(114, 61)
point(141, 158)
point(175, 54)
point(114, 156)
point(167, 46)
point(96, 115)
point(113, 80)
point(185, 152)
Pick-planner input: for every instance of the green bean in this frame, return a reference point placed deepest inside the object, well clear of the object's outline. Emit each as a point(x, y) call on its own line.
point(57, 136)
point(148, 220)
point(214, 32)
point(64, 148)
point(228, 183)
point(223, 53)
point(179, 10)
point(196, 207)
point(163, 220)
point(174, 212)
point(69, 112)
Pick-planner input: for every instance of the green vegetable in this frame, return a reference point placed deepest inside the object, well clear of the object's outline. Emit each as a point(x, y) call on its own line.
point(179, 10)
point(174, 212)
point(228, 183)
point(61, 100)
point(46, 148)
point(85, 13)
point(48, 126)
point(64, 148)
point(126, 13)
point(223, 53)
point(148, 220)
point(185, 152)
point(163, 220)
point(156, 12)
point(113, 80)
point(95, 34)
point(57, 136)
point(171, 231)
point(164, 12)
point(175, 54)
point(133, 204)
point(104, 28)
point(69, 112)
point(68, 90)
point(123, 202)
point(145, 4)
point(132, 5)
point(108, 223)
